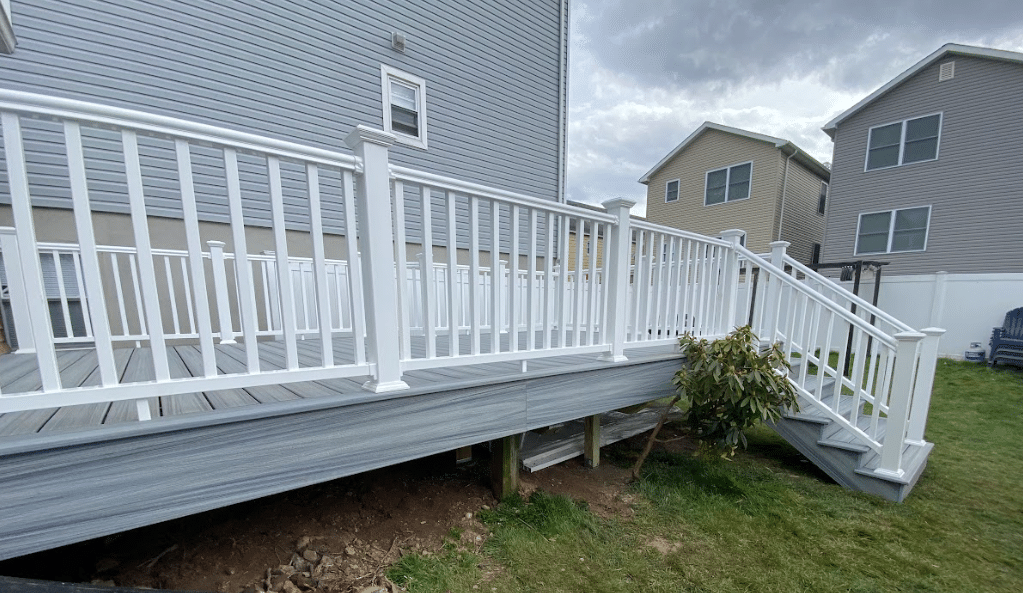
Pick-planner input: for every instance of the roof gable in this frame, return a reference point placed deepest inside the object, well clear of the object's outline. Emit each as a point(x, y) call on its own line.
point(785, 146)
point(945, 50)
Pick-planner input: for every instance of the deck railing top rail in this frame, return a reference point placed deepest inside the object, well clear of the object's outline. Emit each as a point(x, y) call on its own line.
point(802, 288)
point(673, 232)
point(59, 108)
point(441, 182)
point(860, 302)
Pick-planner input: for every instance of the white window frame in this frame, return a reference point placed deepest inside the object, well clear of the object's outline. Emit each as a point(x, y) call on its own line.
point(891, 231)
point(728, 180)
point(902, 141)
point(822, 198)
point(387, 74)
point(7, 39)
point(678, 190)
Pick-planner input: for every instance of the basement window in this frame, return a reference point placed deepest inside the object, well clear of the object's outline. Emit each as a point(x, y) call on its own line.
point(404, 101)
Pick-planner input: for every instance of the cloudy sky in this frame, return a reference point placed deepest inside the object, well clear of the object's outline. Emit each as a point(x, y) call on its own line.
point(645, 73)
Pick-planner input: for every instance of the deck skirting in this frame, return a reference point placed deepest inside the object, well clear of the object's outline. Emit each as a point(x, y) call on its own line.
point(84, 486)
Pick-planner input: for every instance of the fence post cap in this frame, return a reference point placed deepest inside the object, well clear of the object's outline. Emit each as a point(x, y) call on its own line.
point(617, 203)
point(910, 336)
point(363, 133)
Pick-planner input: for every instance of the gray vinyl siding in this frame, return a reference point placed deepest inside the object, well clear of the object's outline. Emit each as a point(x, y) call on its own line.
point(302, 71)
point(974, 188)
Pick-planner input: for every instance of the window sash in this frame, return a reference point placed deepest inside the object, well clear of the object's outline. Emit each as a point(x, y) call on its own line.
point(911, 140)
point(671, 191)
point(893, 231)
point(728, 184)
point(404, 106)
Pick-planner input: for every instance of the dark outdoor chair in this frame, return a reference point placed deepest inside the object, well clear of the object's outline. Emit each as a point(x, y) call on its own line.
point(1007, 341)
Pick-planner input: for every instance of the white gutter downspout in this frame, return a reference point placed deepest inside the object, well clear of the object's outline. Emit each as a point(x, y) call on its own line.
point(563, 21)
point(784, 190)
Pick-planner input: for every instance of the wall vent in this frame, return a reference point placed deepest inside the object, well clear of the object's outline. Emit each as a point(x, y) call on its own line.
point(947, 71)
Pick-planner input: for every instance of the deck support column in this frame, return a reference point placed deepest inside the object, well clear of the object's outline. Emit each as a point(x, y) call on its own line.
point(731, 279)
point(921, 403)
point(772, 304)
point(899, 403)
point(618, 280)
point(376, 242)
point(504, 466)
point(591, 441)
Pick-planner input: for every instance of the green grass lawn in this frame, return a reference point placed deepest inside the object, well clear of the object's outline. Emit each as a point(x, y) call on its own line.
point(769, 521)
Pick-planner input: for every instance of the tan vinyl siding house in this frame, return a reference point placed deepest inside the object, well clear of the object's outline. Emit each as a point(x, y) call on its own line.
point(784, 189)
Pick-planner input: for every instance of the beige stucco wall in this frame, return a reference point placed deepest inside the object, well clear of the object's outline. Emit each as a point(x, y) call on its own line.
point(715, 150)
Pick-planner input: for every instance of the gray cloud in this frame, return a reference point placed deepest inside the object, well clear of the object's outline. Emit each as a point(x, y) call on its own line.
point(646, 73)
point(719, 44)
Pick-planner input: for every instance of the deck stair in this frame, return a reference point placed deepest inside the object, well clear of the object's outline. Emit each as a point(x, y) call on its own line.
point(836, 451)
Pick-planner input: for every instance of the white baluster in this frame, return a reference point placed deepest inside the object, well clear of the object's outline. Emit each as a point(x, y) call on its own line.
point(242, 267)
point(220, 287)
point(31, 274)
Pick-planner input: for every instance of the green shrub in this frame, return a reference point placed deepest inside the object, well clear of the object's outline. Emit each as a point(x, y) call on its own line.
point(728, 386)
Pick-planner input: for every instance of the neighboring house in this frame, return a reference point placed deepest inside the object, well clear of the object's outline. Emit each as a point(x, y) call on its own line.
point(927, 176)
point(722, 178)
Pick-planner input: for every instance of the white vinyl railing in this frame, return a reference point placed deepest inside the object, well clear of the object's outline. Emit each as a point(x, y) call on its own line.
point(399, 270)
point(855, 372)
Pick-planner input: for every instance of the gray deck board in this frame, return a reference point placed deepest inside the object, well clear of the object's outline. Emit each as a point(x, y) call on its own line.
point(79, 367)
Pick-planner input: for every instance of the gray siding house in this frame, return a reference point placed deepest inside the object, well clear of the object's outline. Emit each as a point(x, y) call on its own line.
point(472, 90)
point(928, 169)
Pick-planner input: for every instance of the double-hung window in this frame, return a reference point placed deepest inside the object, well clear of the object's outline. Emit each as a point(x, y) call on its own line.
point(893, 231)
point(904, 142)
point(7, 40)
point(671, 191)
point(728, 184)
point(404, 101)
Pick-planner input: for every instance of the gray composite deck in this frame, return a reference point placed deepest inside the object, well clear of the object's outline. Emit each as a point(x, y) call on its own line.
point(78, 472)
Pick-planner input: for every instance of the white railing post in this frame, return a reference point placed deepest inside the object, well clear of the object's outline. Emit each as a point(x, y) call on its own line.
point(376, 243)
point(924, 383)
point(220, 287)
point(898, 403)
point(731, 278)
point(772, 304)
point(617, 270)
point(20, 315)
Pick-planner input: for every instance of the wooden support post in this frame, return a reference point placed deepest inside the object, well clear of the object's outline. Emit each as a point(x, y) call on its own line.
point(504, 466)
point(463, 454)
point(591, 445)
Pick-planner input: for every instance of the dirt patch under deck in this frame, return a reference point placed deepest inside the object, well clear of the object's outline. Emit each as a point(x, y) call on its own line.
point(342, 533)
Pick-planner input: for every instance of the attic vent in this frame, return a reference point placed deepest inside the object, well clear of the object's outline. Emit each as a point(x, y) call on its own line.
point(947, 71)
